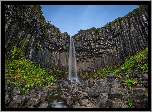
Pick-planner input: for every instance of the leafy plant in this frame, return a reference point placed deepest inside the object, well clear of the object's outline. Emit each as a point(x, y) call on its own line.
point(16, 83)
point(95, 81)
point(16, 53)
point(46, 87)
point(23, 71)
point(129, 62)
point(130, 83)
point(143, 66)
point(25, 90)
point(128, 102)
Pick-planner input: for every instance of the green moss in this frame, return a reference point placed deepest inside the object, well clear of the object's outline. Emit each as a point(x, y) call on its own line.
point(129, 62)
point(25, 73)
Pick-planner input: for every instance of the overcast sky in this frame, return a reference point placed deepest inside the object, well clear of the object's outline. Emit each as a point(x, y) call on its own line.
point(72, 18)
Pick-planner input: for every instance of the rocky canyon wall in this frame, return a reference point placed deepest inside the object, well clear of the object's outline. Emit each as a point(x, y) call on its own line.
point(44, 44)
point(110, 45)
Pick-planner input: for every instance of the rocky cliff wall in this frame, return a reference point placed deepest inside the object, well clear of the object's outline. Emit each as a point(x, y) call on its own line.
point(112, 44)
point(44, 44)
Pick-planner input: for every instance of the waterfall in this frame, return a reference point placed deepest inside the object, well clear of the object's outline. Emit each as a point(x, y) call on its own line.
point(72, 76)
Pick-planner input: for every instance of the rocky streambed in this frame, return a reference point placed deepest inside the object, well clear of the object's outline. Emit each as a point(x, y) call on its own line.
point(103, 93)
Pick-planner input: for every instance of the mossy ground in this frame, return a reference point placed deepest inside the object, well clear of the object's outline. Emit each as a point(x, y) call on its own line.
point(131, 64)
point(20, 71)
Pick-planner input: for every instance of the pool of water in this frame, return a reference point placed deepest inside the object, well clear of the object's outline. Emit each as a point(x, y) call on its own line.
point(56, 101)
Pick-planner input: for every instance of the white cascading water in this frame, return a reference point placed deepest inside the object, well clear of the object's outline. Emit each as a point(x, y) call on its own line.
point(72, 76)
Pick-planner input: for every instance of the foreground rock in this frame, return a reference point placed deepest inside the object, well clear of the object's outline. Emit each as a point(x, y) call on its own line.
point(103, 93)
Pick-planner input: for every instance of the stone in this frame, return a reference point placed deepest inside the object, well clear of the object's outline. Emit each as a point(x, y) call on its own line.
point(145, 76)
point(7, 99)
point(32, 102)
point(89, 105)
point(116, 95)
point(85, 94)
point(17, 90)
point(43, 105)
point(94, 92)
point(69, 100)
point(145, 83)
point(13, 104)
point(84, 102)
point(21, 99)
point(118, 104)
point(139, 85)
point(108, 104)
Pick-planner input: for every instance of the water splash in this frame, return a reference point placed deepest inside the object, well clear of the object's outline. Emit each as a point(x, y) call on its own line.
point(72, 76)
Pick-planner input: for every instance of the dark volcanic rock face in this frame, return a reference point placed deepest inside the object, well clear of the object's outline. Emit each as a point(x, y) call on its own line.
point(113, 43)
point(44, 44)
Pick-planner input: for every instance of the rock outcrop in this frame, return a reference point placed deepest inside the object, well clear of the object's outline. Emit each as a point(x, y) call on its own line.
point(103, 93)
point(112, 44)
point(44, 44)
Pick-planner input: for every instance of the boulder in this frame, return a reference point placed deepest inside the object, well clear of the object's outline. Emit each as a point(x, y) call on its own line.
point(43, 105)
point(84, 102)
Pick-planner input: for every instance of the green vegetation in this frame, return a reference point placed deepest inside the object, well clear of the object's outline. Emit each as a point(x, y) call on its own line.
point(143, 66)
point(25, 90)
point(16, 53)
point(25, 73)
point(40, 46)
point(130, 83)
point(132, 61)
point(128, 102)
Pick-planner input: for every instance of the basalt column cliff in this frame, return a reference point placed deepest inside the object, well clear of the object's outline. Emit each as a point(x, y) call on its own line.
point(44, 44)
point(112, 44)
